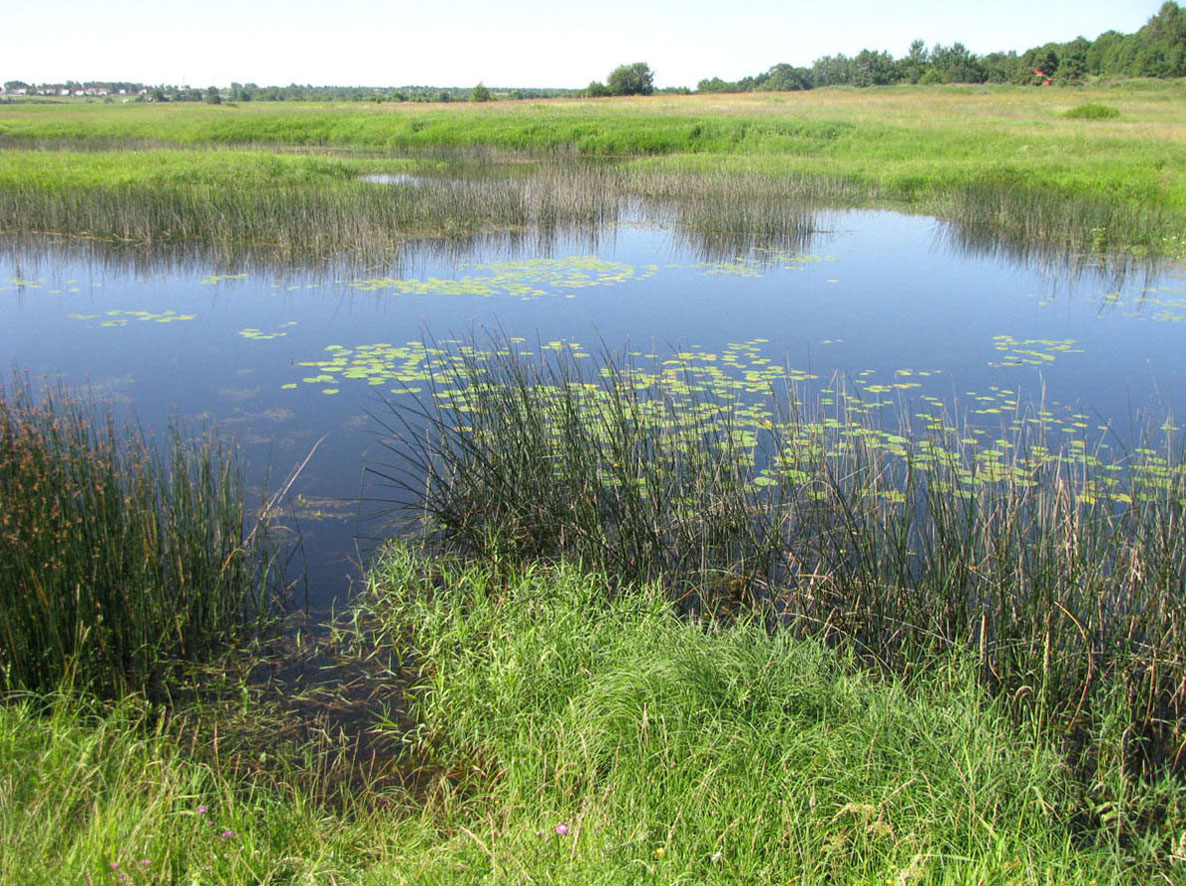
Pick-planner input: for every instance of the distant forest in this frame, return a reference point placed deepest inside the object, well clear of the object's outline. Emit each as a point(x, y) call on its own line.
point(1156, 50)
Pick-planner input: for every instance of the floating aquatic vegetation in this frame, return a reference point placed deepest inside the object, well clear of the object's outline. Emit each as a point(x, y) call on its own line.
point(757, 264)
point(1031, 351)
point(399, 367)
point(14, 284)
point(1161, 304)
point(533, 278)
point(117, 317)
point(215, 279)
point(741, 369)
point(254, 334)
point(743, 388)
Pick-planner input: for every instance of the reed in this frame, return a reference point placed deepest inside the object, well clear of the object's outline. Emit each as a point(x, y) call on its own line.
point(116, 560)
point(303, 211)
point(1060, 572)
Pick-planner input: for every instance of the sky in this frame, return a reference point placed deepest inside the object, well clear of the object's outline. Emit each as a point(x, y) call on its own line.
point(513, 43)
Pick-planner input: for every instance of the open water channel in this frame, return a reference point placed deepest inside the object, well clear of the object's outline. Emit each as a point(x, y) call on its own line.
point(889, 307)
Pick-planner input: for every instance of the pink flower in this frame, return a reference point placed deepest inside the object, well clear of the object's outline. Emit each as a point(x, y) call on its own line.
point(561, 829)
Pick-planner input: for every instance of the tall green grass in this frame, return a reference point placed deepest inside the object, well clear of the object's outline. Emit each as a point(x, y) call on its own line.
point(306, 209)
point(586, 736)
point(119, 796)
point(668, 754)
point(116, 559)
point(299, 209)
point(1061, 574)
point(1007, 160)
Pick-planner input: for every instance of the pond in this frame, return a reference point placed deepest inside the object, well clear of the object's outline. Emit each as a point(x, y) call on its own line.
point(896, 308)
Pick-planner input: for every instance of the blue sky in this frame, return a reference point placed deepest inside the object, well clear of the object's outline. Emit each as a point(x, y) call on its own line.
point(512, 43)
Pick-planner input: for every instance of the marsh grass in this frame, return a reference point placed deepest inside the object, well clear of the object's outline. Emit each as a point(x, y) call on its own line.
point(589, 737)
point(1062, 574)
point(116, 559)
point(1005, 160)
point(573, 734)
point(297, 210)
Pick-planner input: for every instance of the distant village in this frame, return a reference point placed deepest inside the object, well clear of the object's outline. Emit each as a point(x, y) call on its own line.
point(114, 91)
point(16, 87)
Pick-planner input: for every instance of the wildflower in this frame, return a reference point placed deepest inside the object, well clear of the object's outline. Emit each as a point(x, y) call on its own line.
point(115, 865)
point(227, 834)
point(202, 810)
point(716, 857)
point(561, 829)
point(144, 862)
point(660, 852)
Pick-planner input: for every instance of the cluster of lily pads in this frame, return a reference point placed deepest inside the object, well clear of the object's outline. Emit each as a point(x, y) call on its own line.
point(116, 317)
point(991, 436)
point(529, 279)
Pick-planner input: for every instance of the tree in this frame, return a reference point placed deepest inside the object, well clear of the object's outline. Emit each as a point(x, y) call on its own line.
point(871, 68)
point(479, 94)
point(635, 79)
point(832, 70)
point(596, 89)
point(213, 96)
point(955, 64)
point(914, 64)
point(785, 78)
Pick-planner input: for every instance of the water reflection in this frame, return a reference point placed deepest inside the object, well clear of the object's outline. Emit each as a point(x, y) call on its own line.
point(912, 315)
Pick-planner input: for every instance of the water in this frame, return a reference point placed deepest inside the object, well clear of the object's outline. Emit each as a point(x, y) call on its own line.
point(888, 305)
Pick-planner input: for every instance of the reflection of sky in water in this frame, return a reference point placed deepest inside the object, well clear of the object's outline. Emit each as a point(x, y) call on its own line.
point(282, 360)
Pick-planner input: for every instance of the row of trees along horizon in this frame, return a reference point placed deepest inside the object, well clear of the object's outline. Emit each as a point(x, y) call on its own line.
point(1157, 50)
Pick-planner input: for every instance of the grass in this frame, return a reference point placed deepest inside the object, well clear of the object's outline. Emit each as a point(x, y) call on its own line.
point(115, 560)
point(1007, 158)
point(579, 735)
point(1059, 572)
point(675, 754)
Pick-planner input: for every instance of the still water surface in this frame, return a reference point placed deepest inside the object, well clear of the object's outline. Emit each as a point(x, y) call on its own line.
point(883, 303)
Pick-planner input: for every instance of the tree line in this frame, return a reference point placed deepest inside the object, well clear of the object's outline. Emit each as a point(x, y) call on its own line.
point(1156, 50)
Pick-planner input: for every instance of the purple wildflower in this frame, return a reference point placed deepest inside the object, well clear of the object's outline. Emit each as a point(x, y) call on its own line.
point(561, 829)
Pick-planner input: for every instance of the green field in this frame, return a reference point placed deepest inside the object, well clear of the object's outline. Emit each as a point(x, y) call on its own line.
point(1010, 157)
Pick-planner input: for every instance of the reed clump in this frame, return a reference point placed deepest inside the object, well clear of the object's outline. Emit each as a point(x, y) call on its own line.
point(1061, 573)
point(116, 560)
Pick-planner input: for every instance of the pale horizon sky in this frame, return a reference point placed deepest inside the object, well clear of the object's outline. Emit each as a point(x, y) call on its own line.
point(517, 43)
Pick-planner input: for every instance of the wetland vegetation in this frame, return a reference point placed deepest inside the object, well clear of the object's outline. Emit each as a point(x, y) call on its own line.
point(670, 613)
point(1005, 158)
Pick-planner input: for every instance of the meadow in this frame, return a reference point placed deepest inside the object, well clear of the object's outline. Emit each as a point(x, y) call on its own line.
point(649, 627)
point(1018, 161)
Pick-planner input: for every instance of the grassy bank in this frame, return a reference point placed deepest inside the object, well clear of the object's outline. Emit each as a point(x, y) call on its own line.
point(574, 735)
point(1059, 570)
point(1006, 158)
